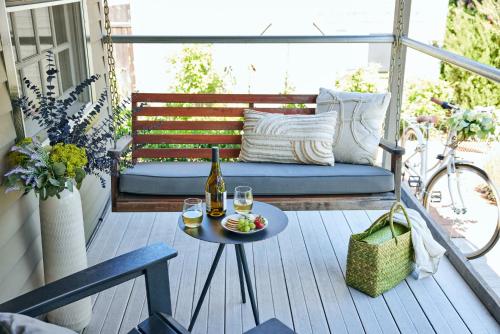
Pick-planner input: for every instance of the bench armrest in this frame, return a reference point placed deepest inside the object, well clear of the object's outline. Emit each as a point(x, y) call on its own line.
point(391, 147)
point(396, 153)
point(122, 145)
point(150, 261)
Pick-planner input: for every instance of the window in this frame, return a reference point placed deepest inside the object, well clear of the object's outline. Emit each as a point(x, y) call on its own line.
point(54, 28)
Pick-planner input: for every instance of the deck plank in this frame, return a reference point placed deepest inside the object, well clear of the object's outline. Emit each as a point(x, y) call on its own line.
point(338, 231)
point(298, 277)
point(233, 296)
point(470, 308)
point(327, 252)
point(217, 296)
point(108, 240)
point(182, 293)
point(160, 232)
point(328, 296)
point(184, 305)
point(141, 231)
point(434, 299)
point(247, 319)
point(117, 240)
point(103, 300)
point(359, 221)
point(262, 279)
point(206, 255)
point(300, 316)
point(434, 305)
point(402, 301)
point(314, 305)
point(278, 284)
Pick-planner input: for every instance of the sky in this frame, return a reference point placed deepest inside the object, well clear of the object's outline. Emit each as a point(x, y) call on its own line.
point(308, 66)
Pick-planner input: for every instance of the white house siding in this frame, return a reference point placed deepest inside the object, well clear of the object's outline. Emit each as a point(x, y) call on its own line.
point(21, 266)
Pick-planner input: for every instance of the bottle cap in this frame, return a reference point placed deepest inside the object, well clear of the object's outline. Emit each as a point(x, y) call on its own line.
point(215, 153)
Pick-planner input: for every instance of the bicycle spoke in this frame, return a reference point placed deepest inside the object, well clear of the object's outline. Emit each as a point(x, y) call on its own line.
point(466, 205)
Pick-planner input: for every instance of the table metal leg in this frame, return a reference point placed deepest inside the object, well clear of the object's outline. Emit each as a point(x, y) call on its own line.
point(205, 287)
point(240, 274)
point(241, 249)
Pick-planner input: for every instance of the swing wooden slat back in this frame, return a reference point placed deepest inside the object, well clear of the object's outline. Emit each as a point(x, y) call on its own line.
point(186, 123)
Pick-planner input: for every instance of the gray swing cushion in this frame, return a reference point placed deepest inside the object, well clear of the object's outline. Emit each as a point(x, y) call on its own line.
point(188, 178)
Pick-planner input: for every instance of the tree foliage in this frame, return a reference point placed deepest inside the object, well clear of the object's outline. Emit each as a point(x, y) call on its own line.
point(363, 79)
point(417, 99)
point(289, 88)
point(473, 31)
point(195, 72)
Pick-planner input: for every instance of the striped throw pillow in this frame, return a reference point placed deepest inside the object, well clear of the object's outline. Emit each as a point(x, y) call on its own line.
point(305, 139)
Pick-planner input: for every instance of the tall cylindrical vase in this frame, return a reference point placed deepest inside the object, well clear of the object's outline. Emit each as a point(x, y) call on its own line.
point(64, 253)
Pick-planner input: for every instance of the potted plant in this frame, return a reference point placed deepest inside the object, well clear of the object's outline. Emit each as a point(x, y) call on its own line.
point(76, 148)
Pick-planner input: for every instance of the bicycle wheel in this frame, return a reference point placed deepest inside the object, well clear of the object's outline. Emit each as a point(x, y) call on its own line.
point(412, 160)
point(466, 205)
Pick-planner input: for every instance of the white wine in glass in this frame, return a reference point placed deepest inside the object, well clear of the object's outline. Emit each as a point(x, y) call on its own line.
point(192, 212)
point(243, 200)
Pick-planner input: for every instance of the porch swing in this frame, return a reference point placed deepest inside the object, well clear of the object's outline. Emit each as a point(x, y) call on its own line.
point(162, 186)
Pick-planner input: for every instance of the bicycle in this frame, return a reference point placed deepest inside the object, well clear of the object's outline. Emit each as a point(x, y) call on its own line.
point(459, 195)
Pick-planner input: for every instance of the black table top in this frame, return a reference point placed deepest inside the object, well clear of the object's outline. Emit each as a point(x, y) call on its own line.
point(212, 231)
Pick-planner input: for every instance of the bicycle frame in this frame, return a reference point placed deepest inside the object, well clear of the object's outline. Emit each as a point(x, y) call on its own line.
point(422, 147)
point(449, 159)
point(448, 176)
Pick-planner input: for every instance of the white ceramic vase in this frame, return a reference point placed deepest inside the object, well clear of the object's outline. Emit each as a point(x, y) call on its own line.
point(64, 252)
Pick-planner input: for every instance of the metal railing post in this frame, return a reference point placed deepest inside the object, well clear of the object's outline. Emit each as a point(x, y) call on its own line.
point(396, 73)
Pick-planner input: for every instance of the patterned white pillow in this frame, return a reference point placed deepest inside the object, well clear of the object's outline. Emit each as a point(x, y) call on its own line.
point(306, 139)
point(359, 125)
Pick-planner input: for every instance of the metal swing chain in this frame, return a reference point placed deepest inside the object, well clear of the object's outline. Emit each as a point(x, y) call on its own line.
point(113, 86)
point(394, 55)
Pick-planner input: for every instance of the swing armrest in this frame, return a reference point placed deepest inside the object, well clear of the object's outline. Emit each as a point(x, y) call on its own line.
point(122, 145)
point(391, 148)
point(396, 153)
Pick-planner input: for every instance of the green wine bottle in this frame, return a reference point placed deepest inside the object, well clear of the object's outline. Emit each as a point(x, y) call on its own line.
point(215, 188)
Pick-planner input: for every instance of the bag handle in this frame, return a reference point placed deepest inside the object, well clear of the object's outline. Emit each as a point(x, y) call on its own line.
point(397, 206)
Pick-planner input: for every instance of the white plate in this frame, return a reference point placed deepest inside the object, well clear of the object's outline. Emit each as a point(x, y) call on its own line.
point(236, 217)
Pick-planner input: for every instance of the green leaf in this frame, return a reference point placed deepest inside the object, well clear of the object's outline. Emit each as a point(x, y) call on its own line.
point(54, 182)
point(40, 181)
point(79, 175)
point(43, 194)
point(52, 191)
point(59, 168)
point(69, 185)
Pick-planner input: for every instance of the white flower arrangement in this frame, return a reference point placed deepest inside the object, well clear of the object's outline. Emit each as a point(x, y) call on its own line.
point(479, 123)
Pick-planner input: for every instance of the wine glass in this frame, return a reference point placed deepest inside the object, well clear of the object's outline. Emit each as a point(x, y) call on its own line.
point(192, 212)
point(243, 199)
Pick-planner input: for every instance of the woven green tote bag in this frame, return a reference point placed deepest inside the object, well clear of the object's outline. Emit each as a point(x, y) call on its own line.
point(380, 257)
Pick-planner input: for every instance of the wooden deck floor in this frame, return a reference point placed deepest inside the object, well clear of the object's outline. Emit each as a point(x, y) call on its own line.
point(298, 278)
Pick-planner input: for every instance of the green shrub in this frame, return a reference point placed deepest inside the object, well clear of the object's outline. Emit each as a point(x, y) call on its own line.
point(472, 31)
point(289, 88)
point(417, 99)
point(364, 80)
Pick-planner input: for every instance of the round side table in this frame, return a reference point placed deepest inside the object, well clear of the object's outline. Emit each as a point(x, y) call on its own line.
point(212, 231)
